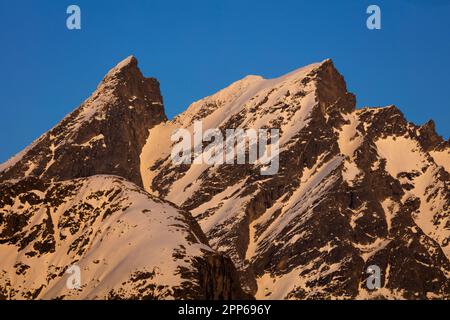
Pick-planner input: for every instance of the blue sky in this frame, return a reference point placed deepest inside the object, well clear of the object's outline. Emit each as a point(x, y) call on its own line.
point(197, 47)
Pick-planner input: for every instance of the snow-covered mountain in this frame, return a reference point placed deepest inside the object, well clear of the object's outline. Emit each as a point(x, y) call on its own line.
point(72, 198)
point(355, 188)
point(126, 243)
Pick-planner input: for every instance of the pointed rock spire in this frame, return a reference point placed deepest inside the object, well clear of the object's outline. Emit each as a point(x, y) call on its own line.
point(104, 135)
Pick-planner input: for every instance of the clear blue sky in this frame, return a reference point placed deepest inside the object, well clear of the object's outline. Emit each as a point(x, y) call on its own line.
point(198, 47)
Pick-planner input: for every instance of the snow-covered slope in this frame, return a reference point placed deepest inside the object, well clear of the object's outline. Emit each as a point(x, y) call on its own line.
point(126, 243)
point(62, 203)
point(355, 188)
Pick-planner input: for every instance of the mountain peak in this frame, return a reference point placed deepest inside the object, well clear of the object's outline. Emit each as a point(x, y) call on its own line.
point(429, 138)
point(130, 60)
point(129, 64)
point(429, 125)
point(327, 62)
point(332, 88)
point(352, 189)
point(102, 136)
point(125, 73)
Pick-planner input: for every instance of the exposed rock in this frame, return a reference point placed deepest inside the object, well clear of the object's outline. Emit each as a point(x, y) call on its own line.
point(354, 188)
point(104, 135)
point(128, 244)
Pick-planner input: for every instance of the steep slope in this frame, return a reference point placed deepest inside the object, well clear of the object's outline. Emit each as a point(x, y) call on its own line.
point(102, 136)
point(127, 244)
point(354, 188)
point(73, 197)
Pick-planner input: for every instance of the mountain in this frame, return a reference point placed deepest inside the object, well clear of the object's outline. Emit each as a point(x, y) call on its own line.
point(104, 135)
point(355, 188)
point(73, 198)
point(127, 244)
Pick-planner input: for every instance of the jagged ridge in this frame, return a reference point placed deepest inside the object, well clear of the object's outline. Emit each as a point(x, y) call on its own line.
point(56, 210)
point(342, 200)
point(356, 187)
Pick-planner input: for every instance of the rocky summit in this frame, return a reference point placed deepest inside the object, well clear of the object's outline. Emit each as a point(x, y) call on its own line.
point(356, 189)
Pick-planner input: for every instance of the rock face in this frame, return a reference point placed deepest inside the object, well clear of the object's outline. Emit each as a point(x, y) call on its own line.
point(104, 135)
point(127, 244)
point(355, 188)
point(72, 198)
